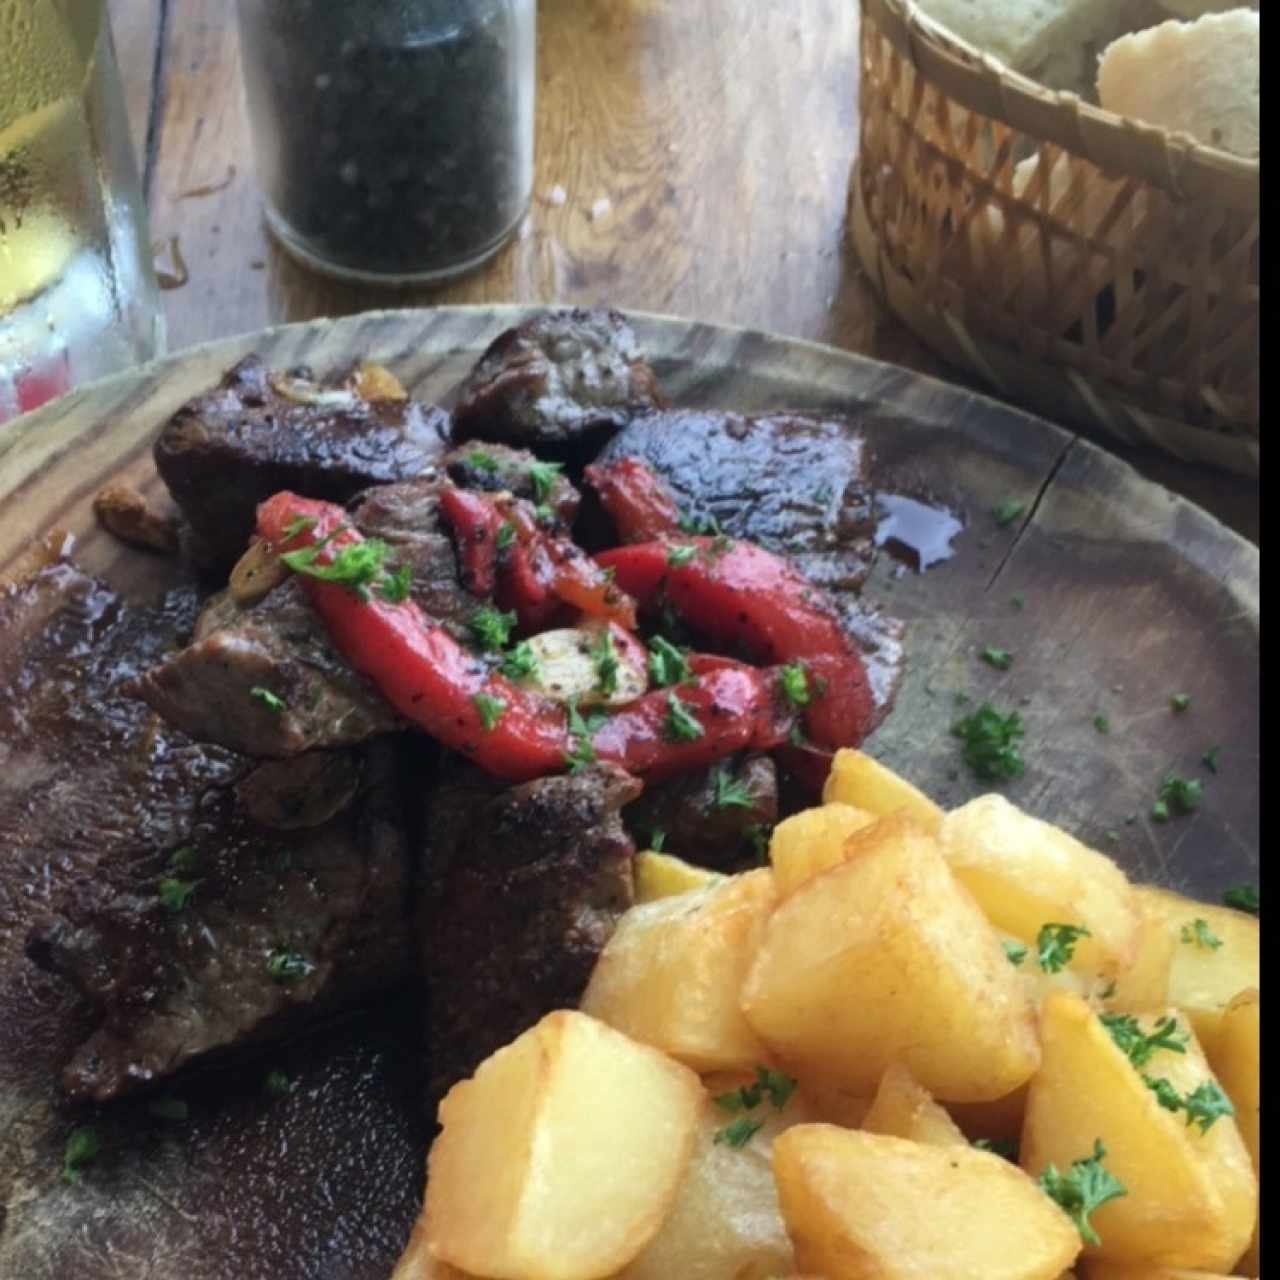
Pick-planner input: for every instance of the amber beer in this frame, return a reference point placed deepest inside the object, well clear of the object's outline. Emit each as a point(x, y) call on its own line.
point(77, 292)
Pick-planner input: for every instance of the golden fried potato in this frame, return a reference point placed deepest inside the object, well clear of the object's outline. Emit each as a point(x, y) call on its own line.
point(1203, 978)
point(418, 1263)
point(887, 957)
point(860, 780)
point(662, 875)
point(1026, 873)
point(902, 1109)
point(1191, 1196)
point(1147, 1271)
point(811, 841)
point(1144, 985)
point(671, 975)
point(560, 1157)
point(1236, 1062)
point(862, 1206)
point(725, 1221)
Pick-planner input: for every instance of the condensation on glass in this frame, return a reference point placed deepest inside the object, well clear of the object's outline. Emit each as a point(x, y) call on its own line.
point(78, 295)
point(394, 138)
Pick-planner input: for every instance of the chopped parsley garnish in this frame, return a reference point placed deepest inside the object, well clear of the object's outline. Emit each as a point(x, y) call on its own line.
point(1008, 511)
point(991, 743)
point(299, 524)
point(777, 1086)
point(1166, 1095)
point(677, 557)
point(1016, 952)
point(581, 729)
point(1102, 724)
point(757, 835)
point(795, 684)
point(1017, 602)
point(721, 545)
point(356, 566)
point(482, 461)
point(739, 1132)
point(1006, 1147)
point(185, 859)
point(731, 792)
point(489, 707)
point(1198, 934)
point(681, 724)
point(1210, 759)
point(667, 664)
point(169, 1109)
point(394, 587)
point(1083, 1188)
point(1136, 1045)
point(506, 535)
point(1244, 897)
point(1180, 795)
point(1056, 944)
point(1205, 1104)
point(699, 524)
point(657, 839)
point(287, 966)
point(1160, 811)
point(491, 628)
point(174, 893)
point(519, 662)
point(1180, 701)
point(606, 661)
point(83, 1147)
point(542, 475)
point(996, 657)
point(277, 1084)
point(267, 698)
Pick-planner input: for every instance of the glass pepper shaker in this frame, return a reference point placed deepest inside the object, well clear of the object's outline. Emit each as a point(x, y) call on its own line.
point(394, 138)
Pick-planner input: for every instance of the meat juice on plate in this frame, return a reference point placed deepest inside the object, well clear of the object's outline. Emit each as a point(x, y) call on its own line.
point(77, 292)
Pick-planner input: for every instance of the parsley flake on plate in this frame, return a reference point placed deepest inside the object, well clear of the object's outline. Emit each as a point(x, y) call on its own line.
point(1180, 795)
point(991, 743)
point(542, 475)
point(481, 461)
point(1056, 944)
point(1205, 1104)
point(1139, 1047)
point(1007, 511)
point(174, 894)
point(996, 657)
point(1102, 724)
point(83, 1147)
point(681, 724)
point(1198, 934)
point(519, 662)
point(491, 628)
point(795, 684)
point(1244, 897)
point(667, 664)
point(288, 966)
point(1016, 952)
point(605, 657)
point(1086, 1186)
point(738, 1132)
point(358, 566)
point(678, 557)
point(271, 701)
point(489, 708)
point(1180, 702)
point(731, 792)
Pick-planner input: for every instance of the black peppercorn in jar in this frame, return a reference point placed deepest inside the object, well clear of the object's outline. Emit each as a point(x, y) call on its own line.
point(394, 138)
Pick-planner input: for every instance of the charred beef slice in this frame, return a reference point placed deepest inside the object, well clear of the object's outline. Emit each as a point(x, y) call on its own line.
point(796, 484)
point(257, 432)
point(560, 383)
point(135, 862)
point(523, 888)
point(494, 467)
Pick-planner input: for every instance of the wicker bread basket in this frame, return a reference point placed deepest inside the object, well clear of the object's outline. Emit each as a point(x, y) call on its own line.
point(1113, 282)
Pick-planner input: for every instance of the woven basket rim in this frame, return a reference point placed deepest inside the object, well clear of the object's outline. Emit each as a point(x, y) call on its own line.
point(1175, 162)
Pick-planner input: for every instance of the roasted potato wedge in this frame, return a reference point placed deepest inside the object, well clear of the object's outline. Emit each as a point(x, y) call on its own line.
point(887, 957)
point(663, 875)
point(1237, 1062)
point(902, 1109)
point(860, 780)
point(812, 841)
point(560, 1158)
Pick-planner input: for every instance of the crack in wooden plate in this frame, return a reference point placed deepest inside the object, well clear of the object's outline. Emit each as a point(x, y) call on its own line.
point(1111, 594)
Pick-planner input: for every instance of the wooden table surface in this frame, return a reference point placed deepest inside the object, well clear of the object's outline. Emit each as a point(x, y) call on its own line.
point(691, 159)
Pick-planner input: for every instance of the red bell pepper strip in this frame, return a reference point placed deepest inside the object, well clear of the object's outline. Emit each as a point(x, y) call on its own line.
point(437, 685)
point(635, 499)
point(749, 600)
point(475, 526)
point(525, 586)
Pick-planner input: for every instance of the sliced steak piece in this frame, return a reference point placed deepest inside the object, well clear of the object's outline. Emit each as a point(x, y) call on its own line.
point(494, 467)
point(257, 432)
point(524, 887)
point(277, 931)
point(99, 803)
point(714, 817)
point(560, 383)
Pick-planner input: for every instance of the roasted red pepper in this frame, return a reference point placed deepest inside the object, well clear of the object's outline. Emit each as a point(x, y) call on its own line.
point(635, 499)
point(436, 684)
point(748, 600)
point(476, 525)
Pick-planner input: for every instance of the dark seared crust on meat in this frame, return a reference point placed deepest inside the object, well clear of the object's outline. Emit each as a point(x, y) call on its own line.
point(233, 446)
point(523, 888)
point(171, 985)
point(493, 467)
point(697, 826)
point(280, 646)
point(560, 382)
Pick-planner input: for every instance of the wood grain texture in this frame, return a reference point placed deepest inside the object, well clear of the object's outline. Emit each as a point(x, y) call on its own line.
point(1129, 594)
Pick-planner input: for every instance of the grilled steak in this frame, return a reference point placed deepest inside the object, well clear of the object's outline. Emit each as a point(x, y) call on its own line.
point(524, 886)
point(131, 863)
point(256, 433)
point(560, 383)
point(716, 817)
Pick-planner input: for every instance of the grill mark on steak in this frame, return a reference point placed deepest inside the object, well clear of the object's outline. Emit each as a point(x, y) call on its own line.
point(96, 794)
point(561, 383)
point(523, 888)
point(230, 448)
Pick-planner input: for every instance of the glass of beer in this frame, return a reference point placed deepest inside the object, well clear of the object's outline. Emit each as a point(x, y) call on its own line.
point(78, 296)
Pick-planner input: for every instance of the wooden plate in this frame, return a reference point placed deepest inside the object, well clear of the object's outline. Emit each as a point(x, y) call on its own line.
point(1111, 594)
